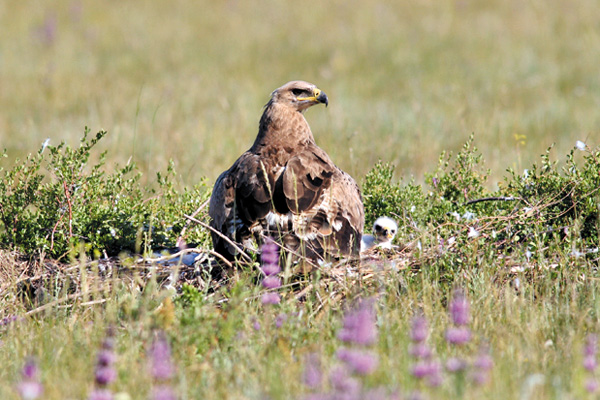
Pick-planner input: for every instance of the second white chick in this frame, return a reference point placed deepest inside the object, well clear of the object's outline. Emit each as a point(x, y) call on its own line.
point(384, 231)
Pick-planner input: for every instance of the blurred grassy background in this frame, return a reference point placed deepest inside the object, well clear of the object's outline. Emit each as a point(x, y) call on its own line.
point(187, 79)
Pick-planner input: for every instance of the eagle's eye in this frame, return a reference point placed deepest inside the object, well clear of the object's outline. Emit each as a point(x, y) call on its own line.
point(378, 228)
point(297, 92)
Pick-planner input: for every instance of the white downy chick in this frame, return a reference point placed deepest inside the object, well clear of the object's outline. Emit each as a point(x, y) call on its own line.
point(384, 231)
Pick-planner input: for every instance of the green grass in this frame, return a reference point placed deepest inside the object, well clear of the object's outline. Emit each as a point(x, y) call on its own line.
point(186, 81)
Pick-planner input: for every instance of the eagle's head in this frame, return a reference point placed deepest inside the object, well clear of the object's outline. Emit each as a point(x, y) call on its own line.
point(299, 95)
point(384, 229)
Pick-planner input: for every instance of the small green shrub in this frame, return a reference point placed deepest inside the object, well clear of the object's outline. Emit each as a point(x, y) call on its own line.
point(54, 202)
point(546, 205)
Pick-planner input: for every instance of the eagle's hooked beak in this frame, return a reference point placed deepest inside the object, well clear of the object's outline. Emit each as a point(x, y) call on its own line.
point(318, 97)
point(321, 97)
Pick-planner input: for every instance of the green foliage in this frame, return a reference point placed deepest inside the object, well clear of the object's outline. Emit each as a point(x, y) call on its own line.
point(463, 180)
point(381, 196)
point(226, 344)
point(53, 202)
point(547, 205)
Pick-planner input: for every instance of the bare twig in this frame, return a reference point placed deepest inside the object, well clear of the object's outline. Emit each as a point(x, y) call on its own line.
point(68, 196)
point(231, 242)
point(511, 198)
point(54, 230)
point(62, 300)
point(185, 251)
point(189, 221)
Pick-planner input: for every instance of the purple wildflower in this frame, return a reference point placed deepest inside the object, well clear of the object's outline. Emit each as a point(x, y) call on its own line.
point(589, 352)
point(430, 370)
point(163, 392)
point(46, 33)
point(30, 388)
point(105, 375)
point(342, 382)
point(270, 257)
point(359, 325)
point(162, 368)
point(8, 320)
point(160, 356)
point(106, 357)
point(458, 336)
point(415, 395)
point(459, 309)
point(421, 369)
point(591, 385)
point(454, 364)
point(419, 331)
point(359, 361)
point(270, 298)
point(482, 366)
point(101, 394)
point(420, 350)
point(591, 345)
point(271, 282)
point(280, 320)
point(418, 334)
point(589, 363)
point(483, 361)
point(435, 377)
point(30, 370)
point(313, 376)
point(256, 325)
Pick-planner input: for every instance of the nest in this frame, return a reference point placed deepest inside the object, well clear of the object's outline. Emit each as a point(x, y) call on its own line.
point(41, 284)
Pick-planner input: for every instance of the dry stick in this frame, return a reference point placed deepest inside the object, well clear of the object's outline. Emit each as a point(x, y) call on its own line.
point(246, 256)
point(70, 210)
point(188, 222)
point(281, 246)
point(87, 303)
point(303, 292)
point(54, 230)
point(185, 251)
point(58, 301)
point(511, 198)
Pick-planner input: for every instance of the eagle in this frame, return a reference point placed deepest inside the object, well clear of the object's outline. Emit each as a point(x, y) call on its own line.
point(286, 187)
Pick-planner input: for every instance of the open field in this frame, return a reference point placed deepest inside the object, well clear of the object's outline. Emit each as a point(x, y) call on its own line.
point(186, 80)
point(504, 277)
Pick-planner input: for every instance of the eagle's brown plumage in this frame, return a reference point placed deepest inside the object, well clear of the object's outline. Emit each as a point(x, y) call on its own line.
point(287, 187)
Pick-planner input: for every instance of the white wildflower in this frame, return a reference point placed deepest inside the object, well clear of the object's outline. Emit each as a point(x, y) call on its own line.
point(580, 145)
point(455, 215)
point(473, 233)
point(45, 144)
point(577, 253)
point(468, 215)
